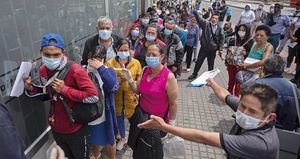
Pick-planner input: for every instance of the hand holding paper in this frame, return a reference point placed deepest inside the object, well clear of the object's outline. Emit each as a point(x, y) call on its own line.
point(201, 80)
point(18, 86)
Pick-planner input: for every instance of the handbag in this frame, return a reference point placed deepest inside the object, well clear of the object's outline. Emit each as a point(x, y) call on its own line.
point(234, 54)
point(173, 146)
point(245, 77)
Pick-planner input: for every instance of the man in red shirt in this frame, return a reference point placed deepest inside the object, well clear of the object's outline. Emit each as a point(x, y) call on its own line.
point(75, 88)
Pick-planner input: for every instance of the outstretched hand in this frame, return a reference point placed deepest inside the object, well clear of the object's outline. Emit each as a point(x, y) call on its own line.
point(219, 91)
point(154, 122)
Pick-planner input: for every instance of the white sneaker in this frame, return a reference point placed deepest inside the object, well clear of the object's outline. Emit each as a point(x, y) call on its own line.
point(121, 144)
point(188, 69)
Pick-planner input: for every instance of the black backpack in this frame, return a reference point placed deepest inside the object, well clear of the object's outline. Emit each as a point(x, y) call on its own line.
point(84, 112)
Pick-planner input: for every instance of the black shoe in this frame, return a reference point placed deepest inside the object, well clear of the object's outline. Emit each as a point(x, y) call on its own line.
point(191, 77)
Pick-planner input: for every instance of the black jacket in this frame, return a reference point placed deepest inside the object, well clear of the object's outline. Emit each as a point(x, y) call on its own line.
point(10, 141)
point(91, 45)
point(175, 51)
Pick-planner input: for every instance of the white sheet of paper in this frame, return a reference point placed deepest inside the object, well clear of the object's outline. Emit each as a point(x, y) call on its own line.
point(18, 87)
point(250, 60)
point(201, 80)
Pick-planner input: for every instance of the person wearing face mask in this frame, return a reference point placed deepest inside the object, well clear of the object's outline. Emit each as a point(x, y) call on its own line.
point(125, 99)
point(253, 132)
point(260, 15)
point(142, 44)
point(212, 41)
point(158, 91)
point(228, 32)
point(192, 40)
point(76, 87)
point(280, 28)
point(155, 19)
point(247, 16)
point(143, 23)
point(103, 130)
point(286, 110)
point(104, 38)
point(250, 69)
point(238, 47)
point(174, 48)
point(133, 35)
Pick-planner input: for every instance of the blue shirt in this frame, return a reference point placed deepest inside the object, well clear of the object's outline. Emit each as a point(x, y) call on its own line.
point(282, 23)
point(192, 36)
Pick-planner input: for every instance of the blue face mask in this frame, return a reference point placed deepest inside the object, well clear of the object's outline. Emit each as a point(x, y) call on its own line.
point(247, 8)
point(168, 32)
point(152, 61)
point(104, 34)
point(123, 55)
point(145, 22)
point(150, 38)
point(51, 64)
point(134, 33)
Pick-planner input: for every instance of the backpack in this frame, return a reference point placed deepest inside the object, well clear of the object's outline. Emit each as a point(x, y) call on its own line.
point(84, 112)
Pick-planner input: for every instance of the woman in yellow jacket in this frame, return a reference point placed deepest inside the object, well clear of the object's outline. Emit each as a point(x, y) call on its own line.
point(125, 99)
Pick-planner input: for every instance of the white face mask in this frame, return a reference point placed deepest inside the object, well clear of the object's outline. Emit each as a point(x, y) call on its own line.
point(241, 33)
point(248, 122)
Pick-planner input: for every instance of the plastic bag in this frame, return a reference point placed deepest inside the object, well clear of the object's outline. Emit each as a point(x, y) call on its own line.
point(173, 146)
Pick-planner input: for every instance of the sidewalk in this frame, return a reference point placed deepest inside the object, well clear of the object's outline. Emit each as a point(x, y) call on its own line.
point(241, 4)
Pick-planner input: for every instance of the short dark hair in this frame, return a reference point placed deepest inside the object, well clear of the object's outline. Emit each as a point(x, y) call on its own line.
point(274, 65)
point(215, 14)
point(123, 42)
point(100, 52)
point(264, 28)
point(145, 15)
point(265, 94)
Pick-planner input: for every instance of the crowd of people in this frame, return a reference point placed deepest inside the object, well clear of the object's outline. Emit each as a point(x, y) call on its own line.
point(136, 80)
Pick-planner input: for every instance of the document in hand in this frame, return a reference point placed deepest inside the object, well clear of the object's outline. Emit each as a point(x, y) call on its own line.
point(18, 86)
point(250, 60)
point(201, 80)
